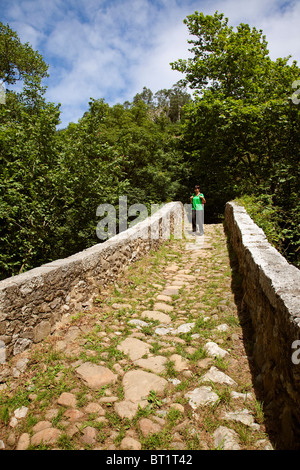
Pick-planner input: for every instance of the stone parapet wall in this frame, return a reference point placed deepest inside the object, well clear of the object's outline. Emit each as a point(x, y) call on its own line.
point(33, 302)
point(271, 297)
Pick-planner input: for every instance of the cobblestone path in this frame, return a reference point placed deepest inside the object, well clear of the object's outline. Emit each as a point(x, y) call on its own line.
point(157, 362)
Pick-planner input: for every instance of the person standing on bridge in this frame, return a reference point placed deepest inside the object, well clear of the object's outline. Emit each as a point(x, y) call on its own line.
point(198, 200)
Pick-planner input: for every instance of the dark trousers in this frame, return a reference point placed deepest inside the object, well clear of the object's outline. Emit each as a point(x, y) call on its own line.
point(198, 219)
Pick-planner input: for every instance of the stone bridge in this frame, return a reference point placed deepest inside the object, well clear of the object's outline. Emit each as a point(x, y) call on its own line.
point(154, 340)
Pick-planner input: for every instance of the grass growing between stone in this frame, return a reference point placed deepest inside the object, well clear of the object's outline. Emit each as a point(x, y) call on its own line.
point(167, 420)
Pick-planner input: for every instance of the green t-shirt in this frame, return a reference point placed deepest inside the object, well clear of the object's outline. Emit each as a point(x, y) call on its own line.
point(197, 204)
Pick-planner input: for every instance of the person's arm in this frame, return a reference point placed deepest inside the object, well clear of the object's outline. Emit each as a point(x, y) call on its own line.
point(203, 199)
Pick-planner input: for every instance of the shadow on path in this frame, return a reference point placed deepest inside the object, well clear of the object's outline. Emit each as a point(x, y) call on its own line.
point(270, 419)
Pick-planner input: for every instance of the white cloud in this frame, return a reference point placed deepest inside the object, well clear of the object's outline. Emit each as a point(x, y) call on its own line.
point(279, 20)
point(111, 49)
point(32, 35)
point(283, 33)
point(154, 70)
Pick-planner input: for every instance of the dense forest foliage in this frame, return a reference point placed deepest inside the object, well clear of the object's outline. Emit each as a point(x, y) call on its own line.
point(237, 137)
point(241, 131)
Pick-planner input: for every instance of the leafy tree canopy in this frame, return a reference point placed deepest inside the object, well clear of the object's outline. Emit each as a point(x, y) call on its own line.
point(238, 136)
point(18, 61)
point(235, 63)
point(240, 133)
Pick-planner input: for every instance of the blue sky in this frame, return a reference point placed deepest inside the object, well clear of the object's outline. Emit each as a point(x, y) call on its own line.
point(112, 49)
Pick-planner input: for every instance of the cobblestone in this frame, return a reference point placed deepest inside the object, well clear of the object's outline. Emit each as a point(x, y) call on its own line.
point(158, 362)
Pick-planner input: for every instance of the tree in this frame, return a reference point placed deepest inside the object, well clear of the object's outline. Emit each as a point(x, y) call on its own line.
point(27, 186)
point(18, 61)
point(234, 63)
point(27, 159)
point(178, 98)
point(146, 96)
point(240, 132)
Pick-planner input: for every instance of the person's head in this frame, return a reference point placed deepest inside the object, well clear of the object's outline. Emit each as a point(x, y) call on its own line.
point(197, 189)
